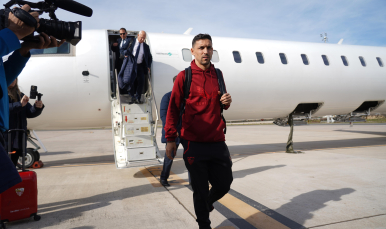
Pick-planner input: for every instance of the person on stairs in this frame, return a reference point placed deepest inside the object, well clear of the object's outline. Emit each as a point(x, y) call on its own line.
point(136, 65)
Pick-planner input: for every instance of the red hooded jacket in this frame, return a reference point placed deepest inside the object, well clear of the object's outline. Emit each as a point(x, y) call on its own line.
point(201, 121)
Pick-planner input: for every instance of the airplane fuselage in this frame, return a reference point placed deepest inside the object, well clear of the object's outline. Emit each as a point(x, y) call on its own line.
point(259, 90)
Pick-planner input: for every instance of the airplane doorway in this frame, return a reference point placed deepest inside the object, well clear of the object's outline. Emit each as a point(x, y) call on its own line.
point(113, 35)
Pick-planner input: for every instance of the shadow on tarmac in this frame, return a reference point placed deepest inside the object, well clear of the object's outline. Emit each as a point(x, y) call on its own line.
point(56, 153)
point(363, 132)
point(84, 227)
point(239, 151)
point(300, 209)
point(305, 204)
point(236, 174)
point(251, 171)
point(58, 212)
point(305, 146)
point(82, 160)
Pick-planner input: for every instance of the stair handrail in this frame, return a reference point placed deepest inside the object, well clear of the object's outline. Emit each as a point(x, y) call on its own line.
point(118, 94)
point(155, 105)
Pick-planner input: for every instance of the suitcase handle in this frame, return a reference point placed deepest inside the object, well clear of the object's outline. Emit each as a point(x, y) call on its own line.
point(23, 145)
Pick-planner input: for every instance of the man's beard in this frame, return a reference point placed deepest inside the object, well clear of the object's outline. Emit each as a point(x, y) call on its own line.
point(203, 62)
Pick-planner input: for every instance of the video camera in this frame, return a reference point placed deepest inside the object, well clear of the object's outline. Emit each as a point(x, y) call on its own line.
point(71, 31)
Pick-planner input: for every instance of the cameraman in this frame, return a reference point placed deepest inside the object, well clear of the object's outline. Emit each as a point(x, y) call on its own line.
point(9, 70)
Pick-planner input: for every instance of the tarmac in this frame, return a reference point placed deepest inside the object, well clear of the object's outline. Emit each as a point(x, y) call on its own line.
point(338, 182)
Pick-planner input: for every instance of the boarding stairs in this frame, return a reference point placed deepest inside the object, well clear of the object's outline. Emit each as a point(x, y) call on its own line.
point(134, 128)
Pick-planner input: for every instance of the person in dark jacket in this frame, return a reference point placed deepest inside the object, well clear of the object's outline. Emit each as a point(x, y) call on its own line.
point(136, 65)
point(19, 110)
point(119, 48)
point(167, 162)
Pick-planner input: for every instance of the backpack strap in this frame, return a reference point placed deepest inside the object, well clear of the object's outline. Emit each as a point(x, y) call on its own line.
point(221, 86)
point(186, 89)
point(187, 82)
point(221, 83)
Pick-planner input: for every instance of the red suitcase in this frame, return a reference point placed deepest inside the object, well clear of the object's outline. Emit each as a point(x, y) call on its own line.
point(21, 200)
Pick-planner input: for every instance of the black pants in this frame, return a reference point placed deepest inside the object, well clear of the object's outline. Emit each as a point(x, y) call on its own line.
point(118, 64)
point(15, 156)
point(136, 89)
point(167, 167)
point(207, 162)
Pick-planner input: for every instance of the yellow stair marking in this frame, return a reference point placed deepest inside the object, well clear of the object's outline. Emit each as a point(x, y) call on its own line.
point(253, 216)
point(153, 181)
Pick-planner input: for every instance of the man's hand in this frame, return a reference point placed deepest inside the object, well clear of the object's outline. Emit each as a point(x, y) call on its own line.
point(45, 41)
point(171, 149)
point(24, 100)
point(149, 70)
point(39, 104)
point(18, 27)
point(115, 44)
point(226, 99)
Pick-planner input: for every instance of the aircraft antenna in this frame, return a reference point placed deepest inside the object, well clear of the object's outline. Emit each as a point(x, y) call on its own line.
point(325, 39)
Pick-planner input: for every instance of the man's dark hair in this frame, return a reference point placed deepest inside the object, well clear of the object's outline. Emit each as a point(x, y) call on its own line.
point(201, 37)
point(174, 78)
point(123, 29)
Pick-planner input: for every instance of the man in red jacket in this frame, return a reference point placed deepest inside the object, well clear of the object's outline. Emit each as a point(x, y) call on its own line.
point(206, 155)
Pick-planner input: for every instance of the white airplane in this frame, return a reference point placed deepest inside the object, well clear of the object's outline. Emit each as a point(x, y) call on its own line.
point(267, 79)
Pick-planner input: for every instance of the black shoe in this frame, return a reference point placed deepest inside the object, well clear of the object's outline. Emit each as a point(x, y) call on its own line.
point(132, 100)
point(136, 101)
point(164, 183)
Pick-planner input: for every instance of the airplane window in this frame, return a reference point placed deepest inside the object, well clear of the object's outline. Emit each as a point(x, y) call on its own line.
point(344, 59)
point(305, 59)
point(63, 49)
point(325, 60)
point(236, 56)
point(380, 62)
point(283, 58)
point(362, 61)
point(186, 55)
point(260, 57)
point(215, 57)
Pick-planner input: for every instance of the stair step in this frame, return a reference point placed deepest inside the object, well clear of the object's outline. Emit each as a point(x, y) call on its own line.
point(142, 163)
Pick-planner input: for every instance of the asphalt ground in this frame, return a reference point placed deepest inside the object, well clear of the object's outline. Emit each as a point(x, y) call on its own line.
point(338, 182)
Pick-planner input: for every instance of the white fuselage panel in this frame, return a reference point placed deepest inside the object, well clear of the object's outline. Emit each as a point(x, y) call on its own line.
point(259, 91)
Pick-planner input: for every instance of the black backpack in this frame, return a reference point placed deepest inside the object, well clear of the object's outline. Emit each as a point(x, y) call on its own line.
point(188, 82)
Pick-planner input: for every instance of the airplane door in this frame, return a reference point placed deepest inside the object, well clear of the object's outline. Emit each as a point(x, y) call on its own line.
point(92, 72)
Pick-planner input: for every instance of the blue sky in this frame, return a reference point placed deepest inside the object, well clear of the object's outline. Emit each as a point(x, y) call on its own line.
point(358, 22)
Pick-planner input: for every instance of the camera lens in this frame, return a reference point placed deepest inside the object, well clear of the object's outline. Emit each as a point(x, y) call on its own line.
point(71, 31)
